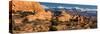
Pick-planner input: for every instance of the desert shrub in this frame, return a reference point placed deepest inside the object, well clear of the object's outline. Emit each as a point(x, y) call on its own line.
point(53, 28)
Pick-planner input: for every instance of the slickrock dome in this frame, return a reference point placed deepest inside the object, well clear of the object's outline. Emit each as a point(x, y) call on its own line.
point(31, 6)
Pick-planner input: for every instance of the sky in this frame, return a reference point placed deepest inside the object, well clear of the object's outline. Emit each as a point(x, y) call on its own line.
point(48, 5)
point(61, 5)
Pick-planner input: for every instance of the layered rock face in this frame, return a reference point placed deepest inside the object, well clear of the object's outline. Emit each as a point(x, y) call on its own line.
point(35, 7)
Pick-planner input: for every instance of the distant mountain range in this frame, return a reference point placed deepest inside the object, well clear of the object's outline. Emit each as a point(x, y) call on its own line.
point(47, 5)
point(87, 10)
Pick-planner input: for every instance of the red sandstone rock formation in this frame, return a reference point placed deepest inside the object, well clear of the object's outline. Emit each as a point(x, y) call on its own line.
point(31, 7)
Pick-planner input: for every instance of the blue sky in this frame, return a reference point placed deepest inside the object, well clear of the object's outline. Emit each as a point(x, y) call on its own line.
point(48, 4)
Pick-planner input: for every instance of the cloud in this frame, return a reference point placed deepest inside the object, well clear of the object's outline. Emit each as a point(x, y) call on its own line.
point(60, 7)
point(44, 6)
point(91, 9)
